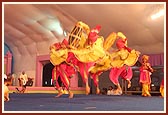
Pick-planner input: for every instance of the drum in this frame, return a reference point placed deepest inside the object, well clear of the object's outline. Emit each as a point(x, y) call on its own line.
point(78, 35)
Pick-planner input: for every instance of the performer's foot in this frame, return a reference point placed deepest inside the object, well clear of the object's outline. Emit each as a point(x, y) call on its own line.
point(59, 94)
point(70, 95)
point(87, 90)
point(118, 91)
point(129, 83)
point(161, 96)
point(97, 91)
point(6, 99)
point(144, 95)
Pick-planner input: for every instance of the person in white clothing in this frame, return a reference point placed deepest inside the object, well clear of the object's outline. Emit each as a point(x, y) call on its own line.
point(110, 91)
point(23, 77)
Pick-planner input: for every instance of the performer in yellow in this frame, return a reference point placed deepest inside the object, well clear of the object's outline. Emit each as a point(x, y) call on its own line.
point(162, 88)
point(90, 52)
point(92, 49)
point(58, 54)
point(145, 79)
point(118, 60)
point(58, 57)
point(122, 56)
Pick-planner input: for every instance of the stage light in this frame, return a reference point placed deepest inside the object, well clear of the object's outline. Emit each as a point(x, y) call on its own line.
point(158, 14)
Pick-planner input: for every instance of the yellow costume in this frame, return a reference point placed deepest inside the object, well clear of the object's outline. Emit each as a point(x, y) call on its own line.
point(162, 88)
point(91, 53)
point(58, 56)
point(118, 58)
point(145, 72)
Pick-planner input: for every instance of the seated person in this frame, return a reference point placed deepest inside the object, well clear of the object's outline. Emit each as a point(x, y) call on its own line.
point(104, 91)
point(23, 78)
point(110, 91)
point(6, 90)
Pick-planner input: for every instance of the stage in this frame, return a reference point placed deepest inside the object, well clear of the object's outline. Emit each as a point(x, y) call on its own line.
point(47, 103)
point(30, 89)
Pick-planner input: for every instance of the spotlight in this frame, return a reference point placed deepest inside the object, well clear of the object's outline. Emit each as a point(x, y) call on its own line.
point(158, 14)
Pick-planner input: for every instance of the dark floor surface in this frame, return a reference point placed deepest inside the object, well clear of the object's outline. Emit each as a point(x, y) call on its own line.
point(80, 102)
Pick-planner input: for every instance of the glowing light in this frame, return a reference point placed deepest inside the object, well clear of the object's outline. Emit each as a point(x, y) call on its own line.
point(59, 29)
point(157, 15)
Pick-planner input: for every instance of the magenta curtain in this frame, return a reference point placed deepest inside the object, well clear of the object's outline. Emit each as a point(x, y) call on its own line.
point(155, 59)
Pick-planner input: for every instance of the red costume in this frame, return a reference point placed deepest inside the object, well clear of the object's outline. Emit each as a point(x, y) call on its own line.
point(125, 72)
point(58, 57)
point(145, 73)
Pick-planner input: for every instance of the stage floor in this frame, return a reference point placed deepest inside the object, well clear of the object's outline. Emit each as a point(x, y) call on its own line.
point(47, 103)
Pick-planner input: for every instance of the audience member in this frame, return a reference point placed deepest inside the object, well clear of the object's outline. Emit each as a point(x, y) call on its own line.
point(6, 90)
point(23, 77)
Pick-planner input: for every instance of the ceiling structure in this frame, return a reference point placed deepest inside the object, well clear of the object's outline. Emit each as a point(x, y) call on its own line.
point(29, 29)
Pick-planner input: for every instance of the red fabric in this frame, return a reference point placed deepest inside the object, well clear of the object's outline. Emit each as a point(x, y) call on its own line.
point(162, 82)
point(94, 77)
point(98, 27)
point(55, 76)
point(65, 72)
point(120, 43)
point(72, 59)
point(93, 37)
point(125, 72)
point(57, 46)
point(83, 68)
point(127, 48)
point(65, 42)
point(144, 76)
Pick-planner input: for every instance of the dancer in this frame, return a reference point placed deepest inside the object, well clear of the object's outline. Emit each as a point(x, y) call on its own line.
point(93, 50)
point(85, 57)
point(145, 73)
point(118, 61)
point(125, 73)
point(65, 72)
point(123, 59)
point(82, 68)
point(58, 56)
point(89, 53)
point(162, 87)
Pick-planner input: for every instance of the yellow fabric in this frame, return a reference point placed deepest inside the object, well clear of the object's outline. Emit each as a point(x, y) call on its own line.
point(109, 41)
point(124, 57)
point(121, 35)
point(59, 56)
point(102, 65)
point(115, 59)
point(132, 58)
point(162, 91)
point(90, 53)
point(145, 90)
